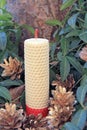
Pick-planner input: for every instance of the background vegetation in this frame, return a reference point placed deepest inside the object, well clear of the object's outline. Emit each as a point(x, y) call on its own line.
point(71, 37)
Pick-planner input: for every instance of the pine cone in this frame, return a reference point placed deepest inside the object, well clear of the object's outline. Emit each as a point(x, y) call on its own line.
point(68, 83)
point(61, 107)
point(83, 53)
point(10, 118)
point(35, 123)
point(12, 68)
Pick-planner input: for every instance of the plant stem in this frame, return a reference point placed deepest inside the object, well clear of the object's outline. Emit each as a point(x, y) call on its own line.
point(16, 99)
point(79, 80)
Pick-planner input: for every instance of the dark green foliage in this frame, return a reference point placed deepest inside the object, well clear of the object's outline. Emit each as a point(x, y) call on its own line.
point(8, 83)
point(70, 39)
point(54, 22)
point(79, 118)
point(22, 100)
point(3, 40)
point(64, 68)
point(4, 93)
point(10, 32)
point(67, 3)
point(70, 126)
point(10, 35)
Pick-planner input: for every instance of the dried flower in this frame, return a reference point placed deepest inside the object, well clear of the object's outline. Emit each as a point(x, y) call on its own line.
point(12, 68)
point(83, 53)
point(68, 83)
point(35, 123)
point(10, 118)
point(61, 106)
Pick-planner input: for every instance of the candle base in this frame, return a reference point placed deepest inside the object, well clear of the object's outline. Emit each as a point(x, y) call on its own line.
point(43, 111)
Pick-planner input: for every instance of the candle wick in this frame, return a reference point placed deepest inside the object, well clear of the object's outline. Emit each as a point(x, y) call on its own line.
point(36, 33)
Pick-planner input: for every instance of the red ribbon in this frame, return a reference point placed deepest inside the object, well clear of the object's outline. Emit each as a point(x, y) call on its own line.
point(43, 111)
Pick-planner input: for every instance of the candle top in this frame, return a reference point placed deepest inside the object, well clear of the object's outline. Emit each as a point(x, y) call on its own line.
point(36, 41)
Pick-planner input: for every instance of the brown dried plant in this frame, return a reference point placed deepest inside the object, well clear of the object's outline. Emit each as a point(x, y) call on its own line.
point(10, 118)
point(83, 53)
point(61, 107)
point(68, 83)
point(35, 123)
point(12, 68)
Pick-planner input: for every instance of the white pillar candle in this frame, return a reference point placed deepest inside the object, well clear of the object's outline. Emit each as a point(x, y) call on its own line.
point(36, 75)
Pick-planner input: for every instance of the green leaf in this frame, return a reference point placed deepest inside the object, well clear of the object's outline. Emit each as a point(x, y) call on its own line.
point(75, 63)
point(72, 20)
point(52, 75)
point(73, 33)
point(65, 30)
point(83, 36)
point(29, 28)
point(75, 43)
point(2, 3)
point(64, 46)
point(81, 93)
point(79, 119)
point(84, 80)
point(22, 100)
point(3, 55)
point(6, 25)
point(85, 65)
point(59, 56)
point(4, 93)
point(53, 48)
point(70, 126)
point(5, 17)
point(12, 47)
point(2, 100)
point(80, 2)
point(64, 68)
point(85, 24)
point(67, 4)
point(8, 82)
point(18, 35)
point(3, 40)
point(54, 22)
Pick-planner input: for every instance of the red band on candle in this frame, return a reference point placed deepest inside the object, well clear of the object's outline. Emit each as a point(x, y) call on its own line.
point(43, 111)
point(36, 33)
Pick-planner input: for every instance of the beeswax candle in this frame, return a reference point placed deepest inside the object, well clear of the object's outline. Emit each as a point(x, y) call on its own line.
point(36, 75)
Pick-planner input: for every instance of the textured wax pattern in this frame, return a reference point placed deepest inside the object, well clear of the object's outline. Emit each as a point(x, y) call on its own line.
point(37, 72)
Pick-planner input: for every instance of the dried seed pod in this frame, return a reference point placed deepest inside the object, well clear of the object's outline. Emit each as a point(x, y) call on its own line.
point(12, 68)
point(61, 107)
point(10, 118)
point(35, 123)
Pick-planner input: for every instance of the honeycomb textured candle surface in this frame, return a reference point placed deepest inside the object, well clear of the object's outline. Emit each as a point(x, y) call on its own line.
point(37, 72)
